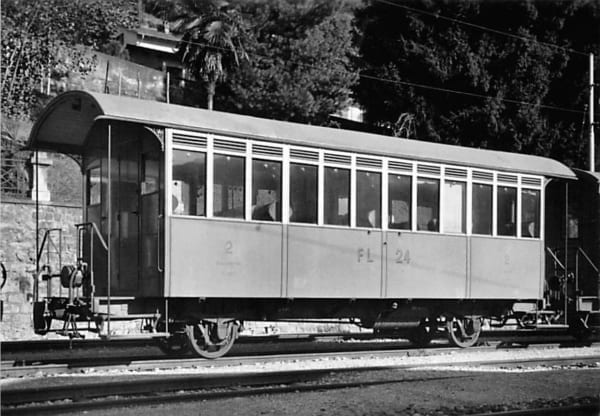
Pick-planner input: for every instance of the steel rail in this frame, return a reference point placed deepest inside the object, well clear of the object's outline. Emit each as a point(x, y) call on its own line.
point(206, 387)
point(300, 352)
point(142, 365)
point(43, 345)
point(574, 410)
point(16, 395)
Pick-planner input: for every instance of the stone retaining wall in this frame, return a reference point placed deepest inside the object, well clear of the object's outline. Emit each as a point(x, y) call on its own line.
point(17, 253)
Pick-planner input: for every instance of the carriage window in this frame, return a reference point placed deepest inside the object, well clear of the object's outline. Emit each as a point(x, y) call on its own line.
point(428, 203)
point(455, 212)
point(228, 192)
point(303, 193)
point(368, 199)
point(482, 209)
point(337, 196)
point(266, 190)
point(530, 213)
point(507, 211)
point(400, 197)
point(94, 186)
point(149, 174)
point(189, 183)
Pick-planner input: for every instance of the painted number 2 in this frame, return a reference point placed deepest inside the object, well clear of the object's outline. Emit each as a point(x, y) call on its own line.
point(228, 247)
point(403, 256)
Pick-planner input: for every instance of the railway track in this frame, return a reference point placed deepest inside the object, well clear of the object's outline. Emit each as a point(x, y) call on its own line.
point(20, 353)
point(135, 354)
point(177, 388)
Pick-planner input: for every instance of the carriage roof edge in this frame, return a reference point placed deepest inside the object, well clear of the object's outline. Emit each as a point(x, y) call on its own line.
point(64, 124)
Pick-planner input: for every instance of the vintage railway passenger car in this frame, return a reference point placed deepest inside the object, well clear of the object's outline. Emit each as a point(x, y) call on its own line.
point(196, 221)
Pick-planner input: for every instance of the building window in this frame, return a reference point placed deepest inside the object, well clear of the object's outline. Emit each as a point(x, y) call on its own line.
point(368, 199)
point(266, 190)
point(94, 186)
point(507, 211)
point(303, 193)
point(229, 185)
point(482, 209)
point(428, 203)
point(337, 196)
point(188, 183)
point(530, 213)
point(455, 212)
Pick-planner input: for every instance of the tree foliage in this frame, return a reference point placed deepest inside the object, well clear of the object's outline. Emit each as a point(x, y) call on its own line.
point(508, 90)
point(214, 38)
point(300, 56)
point(39, 41)
point(301, 61)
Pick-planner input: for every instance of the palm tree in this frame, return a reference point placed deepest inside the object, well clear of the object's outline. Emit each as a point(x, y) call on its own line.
point(214, 38)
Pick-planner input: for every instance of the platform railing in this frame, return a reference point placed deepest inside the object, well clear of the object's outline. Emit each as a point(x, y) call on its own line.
point(48, 247)
point(574, 271)
point(95, 232)
point(579, 254)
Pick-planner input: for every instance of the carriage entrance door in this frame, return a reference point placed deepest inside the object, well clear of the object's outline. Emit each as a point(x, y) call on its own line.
point(126, 211)
point(137, 210)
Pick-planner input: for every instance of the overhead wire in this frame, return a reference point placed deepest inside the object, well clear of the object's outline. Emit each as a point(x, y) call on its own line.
point(480, 27)
point(413, 84)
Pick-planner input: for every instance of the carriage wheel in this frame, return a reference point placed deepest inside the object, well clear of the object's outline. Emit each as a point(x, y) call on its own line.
point(212, 339)
point(422, 335)
point(175, 345)
point(463, 332)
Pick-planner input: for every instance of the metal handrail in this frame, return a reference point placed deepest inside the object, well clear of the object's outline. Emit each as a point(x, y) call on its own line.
point(42, 246)
point(549, 250)
point(45, 246)
point(96, 231)
point(585, 255)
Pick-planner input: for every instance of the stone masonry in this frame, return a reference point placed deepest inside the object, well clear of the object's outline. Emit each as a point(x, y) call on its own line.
point(17, 253)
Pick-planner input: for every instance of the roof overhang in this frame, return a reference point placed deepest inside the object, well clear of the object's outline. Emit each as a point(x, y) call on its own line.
point(66, 122)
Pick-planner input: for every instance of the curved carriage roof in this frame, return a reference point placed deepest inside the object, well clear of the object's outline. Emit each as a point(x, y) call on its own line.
point(67, 120)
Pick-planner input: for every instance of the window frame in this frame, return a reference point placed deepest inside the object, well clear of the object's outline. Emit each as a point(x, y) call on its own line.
point(321, 158)
point(372, 164)
point(187, 148)
point(289, 163)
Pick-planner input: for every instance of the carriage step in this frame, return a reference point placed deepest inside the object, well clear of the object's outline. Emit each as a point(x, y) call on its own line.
point(149, 335)
point(551, 326)
point(129, 317)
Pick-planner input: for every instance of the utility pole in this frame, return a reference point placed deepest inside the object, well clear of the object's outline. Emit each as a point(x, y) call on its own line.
point(140, 12)
point(591, 112)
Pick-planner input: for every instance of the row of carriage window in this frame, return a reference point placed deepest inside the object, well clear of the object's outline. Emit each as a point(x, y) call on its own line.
point(189, 180)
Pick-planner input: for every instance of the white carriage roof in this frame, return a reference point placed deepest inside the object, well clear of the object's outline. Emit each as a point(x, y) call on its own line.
point(65, 123)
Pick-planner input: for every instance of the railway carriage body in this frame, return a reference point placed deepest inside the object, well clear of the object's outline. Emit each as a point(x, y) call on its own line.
point(198, 220)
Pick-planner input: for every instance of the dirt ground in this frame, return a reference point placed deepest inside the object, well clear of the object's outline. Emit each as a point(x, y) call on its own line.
point(410, 392)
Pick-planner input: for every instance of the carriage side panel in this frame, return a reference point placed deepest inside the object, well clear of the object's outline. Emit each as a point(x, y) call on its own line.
point(224, 259)
point(334, 263)
point(426, 266)
point(505, 268)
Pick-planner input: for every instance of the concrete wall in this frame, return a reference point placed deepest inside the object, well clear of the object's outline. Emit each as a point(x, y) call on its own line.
point(17, 253)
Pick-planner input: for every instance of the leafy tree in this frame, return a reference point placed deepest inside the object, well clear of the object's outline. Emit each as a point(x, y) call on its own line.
point(214, 38)
point(39, 38)
point(301, 54)
point(510, 93)
point(301, 61)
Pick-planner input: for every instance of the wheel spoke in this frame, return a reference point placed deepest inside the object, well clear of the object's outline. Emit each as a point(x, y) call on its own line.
point(204, 338)
point(463, 332)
